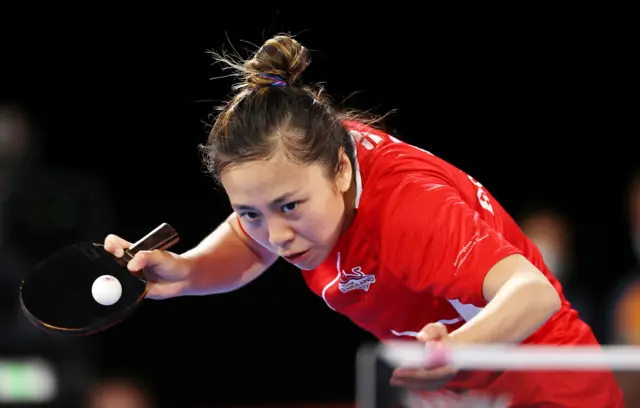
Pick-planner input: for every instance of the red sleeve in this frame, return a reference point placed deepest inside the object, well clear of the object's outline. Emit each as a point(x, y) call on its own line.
point(435, 242)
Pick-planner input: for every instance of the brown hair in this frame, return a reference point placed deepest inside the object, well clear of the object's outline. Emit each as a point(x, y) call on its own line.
point(273, 112)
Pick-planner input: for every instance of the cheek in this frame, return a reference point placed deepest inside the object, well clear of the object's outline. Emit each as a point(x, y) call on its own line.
point(324, 222)
point(257, 233)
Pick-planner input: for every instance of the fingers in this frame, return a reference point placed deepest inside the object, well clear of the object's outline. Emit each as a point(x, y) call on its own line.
point(164, 290)
point(433, 332)
point(144, 259)
point(437, 371)
point(421, 379)
point(116, 245)
point(152, 263)
point(420, 374)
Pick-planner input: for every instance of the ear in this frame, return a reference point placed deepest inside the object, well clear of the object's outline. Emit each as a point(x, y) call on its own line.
point(343, 178)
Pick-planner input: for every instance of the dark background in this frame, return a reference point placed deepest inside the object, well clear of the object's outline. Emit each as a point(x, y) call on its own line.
point(537, 109)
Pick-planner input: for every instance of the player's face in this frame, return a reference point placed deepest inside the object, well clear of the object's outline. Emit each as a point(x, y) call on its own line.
point(295, 211)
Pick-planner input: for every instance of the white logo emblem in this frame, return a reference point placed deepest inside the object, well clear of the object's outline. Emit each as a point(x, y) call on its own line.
point(355, 280)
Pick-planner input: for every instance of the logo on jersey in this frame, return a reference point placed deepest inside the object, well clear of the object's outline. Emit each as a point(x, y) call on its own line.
point(483, 198)
point(356, 279)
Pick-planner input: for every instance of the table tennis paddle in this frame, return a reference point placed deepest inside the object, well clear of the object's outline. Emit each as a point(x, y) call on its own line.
point(56, 295)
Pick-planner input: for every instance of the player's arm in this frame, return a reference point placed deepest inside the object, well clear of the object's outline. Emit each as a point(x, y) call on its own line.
point(442, 246)
point(226, 260)
point(519, 298)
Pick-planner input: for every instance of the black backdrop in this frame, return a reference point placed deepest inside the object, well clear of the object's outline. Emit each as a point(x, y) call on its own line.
point(533, 108)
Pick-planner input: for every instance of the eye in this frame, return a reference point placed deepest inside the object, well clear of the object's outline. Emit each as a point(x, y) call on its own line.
point(289, 207)
point(249, 215)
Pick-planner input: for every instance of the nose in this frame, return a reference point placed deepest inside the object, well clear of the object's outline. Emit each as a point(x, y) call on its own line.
point(280, 233)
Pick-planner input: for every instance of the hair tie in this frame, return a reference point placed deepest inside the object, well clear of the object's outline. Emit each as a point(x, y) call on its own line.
point(277, 81)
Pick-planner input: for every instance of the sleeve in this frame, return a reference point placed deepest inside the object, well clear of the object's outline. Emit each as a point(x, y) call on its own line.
point(435, 242)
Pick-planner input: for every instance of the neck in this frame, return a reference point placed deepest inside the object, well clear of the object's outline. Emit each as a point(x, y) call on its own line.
point(350, 209)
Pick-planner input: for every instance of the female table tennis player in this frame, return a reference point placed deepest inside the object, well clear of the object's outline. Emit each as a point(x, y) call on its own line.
point(400, 241)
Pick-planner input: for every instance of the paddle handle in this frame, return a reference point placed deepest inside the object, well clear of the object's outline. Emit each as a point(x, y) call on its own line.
point(163, 237)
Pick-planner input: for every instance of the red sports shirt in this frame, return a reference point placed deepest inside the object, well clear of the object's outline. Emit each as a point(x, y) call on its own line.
point(423, 239)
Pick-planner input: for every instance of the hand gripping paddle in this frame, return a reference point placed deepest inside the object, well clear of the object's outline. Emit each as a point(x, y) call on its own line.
point(56, 294)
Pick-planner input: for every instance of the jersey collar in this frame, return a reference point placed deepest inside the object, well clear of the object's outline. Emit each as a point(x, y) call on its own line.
point(358, 175)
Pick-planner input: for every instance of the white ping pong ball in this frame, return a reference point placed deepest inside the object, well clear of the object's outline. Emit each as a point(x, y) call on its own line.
point(106, 290)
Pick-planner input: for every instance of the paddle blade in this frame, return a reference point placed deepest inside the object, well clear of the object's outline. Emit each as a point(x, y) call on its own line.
point(57, 293)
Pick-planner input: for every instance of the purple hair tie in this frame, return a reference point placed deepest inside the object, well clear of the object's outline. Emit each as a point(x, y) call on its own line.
point(277, 81)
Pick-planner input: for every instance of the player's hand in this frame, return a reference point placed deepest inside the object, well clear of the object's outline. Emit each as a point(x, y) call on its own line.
point(167, 273)
point(436, 373)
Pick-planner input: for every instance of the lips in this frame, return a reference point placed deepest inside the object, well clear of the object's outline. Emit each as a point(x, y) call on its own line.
point(295, 257)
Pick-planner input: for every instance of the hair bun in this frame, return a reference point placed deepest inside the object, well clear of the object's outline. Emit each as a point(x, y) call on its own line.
point(280, 56)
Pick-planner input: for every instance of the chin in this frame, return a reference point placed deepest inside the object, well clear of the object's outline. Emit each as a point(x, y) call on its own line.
point(307, 266)
point(312, 263)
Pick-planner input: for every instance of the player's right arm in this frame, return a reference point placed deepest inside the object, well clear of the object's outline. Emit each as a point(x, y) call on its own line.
point(224, 261)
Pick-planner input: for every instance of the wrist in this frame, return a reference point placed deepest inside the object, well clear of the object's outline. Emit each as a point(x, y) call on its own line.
point(187, 265)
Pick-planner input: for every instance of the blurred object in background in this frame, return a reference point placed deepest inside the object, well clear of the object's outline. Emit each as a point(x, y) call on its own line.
point(634, 213)
point(120, 392)
point(44, 207)
point(551, 232)
point(53, 207)
point(41, 209)
point(625, 301)
point(42, 377)
point(627, 314)
point(18, 149)
point(27, 380)
point(16, 144)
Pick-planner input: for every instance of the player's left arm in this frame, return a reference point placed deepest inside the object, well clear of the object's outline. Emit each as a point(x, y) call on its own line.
point(441, 245)
point(520, 299)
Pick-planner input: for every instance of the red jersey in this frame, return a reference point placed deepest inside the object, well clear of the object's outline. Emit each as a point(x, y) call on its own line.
point(424, 237)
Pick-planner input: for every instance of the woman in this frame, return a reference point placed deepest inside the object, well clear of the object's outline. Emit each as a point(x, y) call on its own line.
point(398, 240)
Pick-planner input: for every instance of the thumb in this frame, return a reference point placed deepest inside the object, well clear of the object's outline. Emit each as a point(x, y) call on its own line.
point(433, 332)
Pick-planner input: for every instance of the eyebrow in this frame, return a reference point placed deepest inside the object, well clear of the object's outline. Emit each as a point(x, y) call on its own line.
point(279, 200)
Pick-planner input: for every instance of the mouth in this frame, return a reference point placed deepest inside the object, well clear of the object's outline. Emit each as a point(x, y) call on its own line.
point(295, 257)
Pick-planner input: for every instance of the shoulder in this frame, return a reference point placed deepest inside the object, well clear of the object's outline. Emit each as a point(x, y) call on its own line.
point(397, 174)
point(403, 188)
point(383, 157)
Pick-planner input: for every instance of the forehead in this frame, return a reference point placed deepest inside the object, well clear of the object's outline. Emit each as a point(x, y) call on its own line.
point(258, 182)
